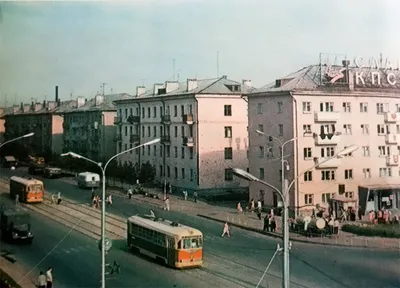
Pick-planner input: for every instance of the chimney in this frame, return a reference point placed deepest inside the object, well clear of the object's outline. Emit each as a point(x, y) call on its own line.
point(51, 105)
point(140, 90)
point(21, 107)
point(224, 77)
point(57, 94)
point(16, 108)
point(246, 83)
point(171, 86)
point(32, 106)
point(191, 84)
point(156, 87)
point(44, 104)
point(345, 63)
point(80, 101)
point(38, 106)
point(27, 107)
point(98, 100)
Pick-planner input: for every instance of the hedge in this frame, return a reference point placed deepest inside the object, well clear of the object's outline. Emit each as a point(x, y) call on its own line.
point(7, 281)
point(380, 230)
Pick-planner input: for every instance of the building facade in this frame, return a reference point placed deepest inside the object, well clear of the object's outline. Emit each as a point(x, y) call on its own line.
point(89, 128)
point(2, 121)
point(44, 119)
point(326, 109)
point(203, 129)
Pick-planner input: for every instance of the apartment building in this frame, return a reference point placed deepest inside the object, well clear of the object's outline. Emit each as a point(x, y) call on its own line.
point(203, 129)
point(89, 128)
point(328, 108)
point(2, 121)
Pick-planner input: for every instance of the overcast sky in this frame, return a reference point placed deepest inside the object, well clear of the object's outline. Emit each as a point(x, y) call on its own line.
point(79, 45)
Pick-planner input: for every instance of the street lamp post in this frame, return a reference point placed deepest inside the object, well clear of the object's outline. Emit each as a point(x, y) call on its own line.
point(103, 199)
point(283, 194)
point(18, 138)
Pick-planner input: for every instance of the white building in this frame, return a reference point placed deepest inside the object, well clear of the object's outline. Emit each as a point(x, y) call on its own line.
point(328, 109)
point(203, 129)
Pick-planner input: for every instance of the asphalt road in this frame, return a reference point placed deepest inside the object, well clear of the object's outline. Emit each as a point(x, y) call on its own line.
point(235, 262)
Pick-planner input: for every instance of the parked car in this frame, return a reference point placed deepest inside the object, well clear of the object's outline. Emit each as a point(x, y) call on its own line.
point(52, 172)
point(10, 161)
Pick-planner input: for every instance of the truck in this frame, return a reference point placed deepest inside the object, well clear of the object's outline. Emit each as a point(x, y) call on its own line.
point(15, 225)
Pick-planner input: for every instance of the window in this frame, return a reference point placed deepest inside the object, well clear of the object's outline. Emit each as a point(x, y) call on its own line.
point(307, 153)
point(366, 151)
point(154, 131)
point(176, 152)
point(191, 175)
point(190, 152)
point(326, 197)
point(148, 112)
point(328, 175)
point(183, 173)
point(228, 174)
point(161, 170)
point(126, 130)
point(347, 129)
point(367, 173)
point(182, 110)
point(175, 131)
point(326, 107)
point(260, 127)
point(364, 107)
point(228, 131)
point(183, 152)
point(365, 128)
point(381, 129)
point(148, 131)
point(161, 111)
point(327, 152)
point(270, 152)
point(308, 199)
point(280, 107)
point(385, 172)
point(308, 176)
point(175, 111)
point(154, 112)
point(126, 147)
point(154, 150)
point(176, 172)
point(143, 112)
point(262, 173)
point(384, 151)
point(228, 153)
point(259, 108)
point(348, 174)
point(397, 108)
point(280, 129)
point(183, 131)
point(168, 151)
point(168, 171)
point(307, 130)
point(161, 150)
point(148, 150)
point(328, 128)
point(347, 107)
point(397, 129)
point(382, 107)
point(227, 110)
point(349, 194)
point(280, 175)
point(306, 107)
point(130, 147)
point(262, 151)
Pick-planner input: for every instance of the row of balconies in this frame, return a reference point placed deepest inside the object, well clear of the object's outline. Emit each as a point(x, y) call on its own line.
point(334, 139)
point(391, 160)
point(165, 119)
point(390, 117)
point(165, 139)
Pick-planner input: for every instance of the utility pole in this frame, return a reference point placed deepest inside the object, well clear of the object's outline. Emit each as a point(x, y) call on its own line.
point(217, 64)
point(173, 69)
point(103, 86)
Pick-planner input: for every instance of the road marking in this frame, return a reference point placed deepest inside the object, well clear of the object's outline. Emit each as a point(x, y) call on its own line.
point(66, 251)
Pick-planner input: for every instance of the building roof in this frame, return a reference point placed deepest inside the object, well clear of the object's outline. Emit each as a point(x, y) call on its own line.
point(106, 105)
point(62, 107)
point(204, 86)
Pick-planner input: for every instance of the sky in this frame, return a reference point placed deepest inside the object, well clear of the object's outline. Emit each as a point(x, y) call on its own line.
point(79, 45)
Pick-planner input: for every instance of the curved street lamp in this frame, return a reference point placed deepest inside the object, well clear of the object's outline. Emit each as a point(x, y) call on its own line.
point(18, 138)
point(245, 175)
point(103, 204)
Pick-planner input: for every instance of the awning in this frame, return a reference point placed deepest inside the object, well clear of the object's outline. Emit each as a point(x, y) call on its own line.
point(381, 186)
point(342, 198)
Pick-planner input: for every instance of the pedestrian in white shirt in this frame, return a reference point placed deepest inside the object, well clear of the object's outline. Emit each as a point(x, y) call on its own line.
point(226, 230)
point(42, 282)
point(49, 277)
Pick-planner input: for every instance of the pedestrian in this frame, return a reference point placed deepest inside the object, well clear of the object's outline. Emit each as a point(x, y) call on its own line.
point(226, 230)
point(17, 199)
point(195, 195)
point(130, 192)
point(259, 205)
point(273, 224)
point(42, 280)
point(109, 200)
point(59, 198)
point(167, 204)
point(259, 213)
point(239, 208)
point(266, 222)
point(185, 195)
point(53, 198)
point(252, 206)
point(49, 277)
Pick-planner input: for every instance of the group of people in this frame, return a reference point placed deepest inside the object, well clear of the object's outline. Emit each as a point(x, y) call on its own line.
point(56, 199)
point(382, 216)
point(46, 280)
point(96, 200)
point(185, 196)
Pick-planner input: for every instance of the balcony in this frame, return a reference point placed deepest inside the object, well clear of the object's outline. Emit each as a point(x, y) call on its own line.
point(134, 138)
point(118, 138)
point(117, 120)
point(392, 138)
point(133, 119)
point(332, 163)
point(188, 141)
point(391, 117)
point(392, 160)
point(326, 116)
point(328, 140)
point(166, 139)
point(166, 119)
point(187, 118)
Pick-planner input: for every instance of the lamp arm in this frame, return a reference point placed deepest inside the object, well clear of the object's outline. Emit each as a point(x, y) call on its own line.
point(12, 140)
point(123, 152)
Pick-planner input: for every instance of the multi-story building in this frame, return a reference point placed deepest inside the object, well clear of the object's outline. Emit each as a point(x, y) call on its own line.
point(89, 128)
point(327, 109)
point(2, 121)
point(203, 129)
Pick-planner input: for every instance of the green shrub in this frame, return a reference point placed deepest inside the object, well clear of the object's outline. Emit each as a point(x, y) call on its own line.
point(380, 230)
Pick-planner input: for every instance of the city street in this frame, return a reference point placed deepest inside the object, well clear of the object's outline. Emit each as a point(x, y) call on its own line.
point(238, 261)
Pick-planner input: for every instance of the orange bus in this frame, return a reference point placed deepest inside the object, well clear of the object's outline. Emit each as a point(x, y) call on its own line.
point(29, 189)
point(177, 245)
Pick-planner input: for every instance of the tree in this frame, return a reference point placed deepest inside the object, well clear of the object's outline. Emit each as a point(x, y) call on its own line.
point(147, 173)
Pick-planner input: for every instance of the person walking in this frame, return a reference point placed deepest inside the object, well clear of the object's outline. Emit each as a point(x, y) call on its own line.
point(130, 193)
point(42, 282)
point(226, 230)
point(59, 198)
point(49, 277)
point(17, 199)
point(167, 204)
point(195, 195)
point(266, 222)
point(109, 200)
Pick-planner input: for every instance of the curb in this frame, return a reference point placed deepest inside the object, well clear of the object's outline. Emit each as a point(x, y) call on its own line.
point(276, 235)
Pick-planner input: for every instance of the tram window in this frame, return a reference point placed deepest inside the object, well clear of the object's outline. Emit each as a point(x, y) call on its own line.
point(196, 243)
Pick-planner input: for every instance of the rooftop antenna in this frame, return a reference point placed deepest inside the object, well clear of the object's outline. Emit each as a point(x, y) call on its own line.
point(5, 101)
point(103, 86)
point(217, 64)
point(380, 60)
point(45, 97)
point(173, 69)
point(111, 90)
point(70, 96)
point(142, 81)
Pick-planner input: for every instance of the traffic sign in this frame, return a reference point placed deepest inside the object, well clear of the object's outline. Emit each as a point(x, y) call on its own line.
point(107, 244)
